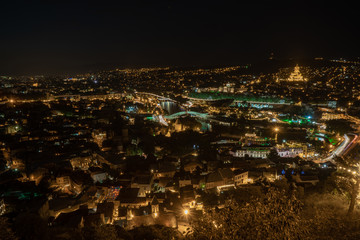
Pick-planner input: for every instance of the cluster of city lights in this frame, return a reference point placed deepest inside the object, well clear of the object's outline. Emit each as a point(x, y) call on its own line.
point(348, 170)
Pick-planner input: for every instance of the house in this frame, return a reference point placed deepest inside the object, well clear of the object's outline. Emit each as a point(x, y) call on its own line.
point(255, 175)
point(120, 214)
point(170, 186)
point(17, 163)
point(184, 181)
point(98, 194)
point(187, 196)
point(37, 175)
point(99, 176)
point(163, 170)
point(160, 184)
point(2, 207)
point(192, 166)
point(145, 215)
point(289, 150)
point(241, 178)
point(195, 181)
point(107, 209)
point(151, 208)
point(143, 183)
point(160, 197)
point(253, 139)
point(155, 209)
point(77, 182)
point(246, 177)
point(306, 179)
point(252, 152)
point(220, 178)
point(126, 213)
point(225, 157)
point(164, 219)
point(82, 162)
point(270, 174)
point(240, 164)
point(213, 165)
point(73, 184)
point(129, 197)
point(63, 181)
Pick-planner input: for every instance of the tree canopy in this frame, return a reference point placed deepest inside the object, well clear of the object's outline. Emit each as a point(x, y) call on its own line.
point(276, 216)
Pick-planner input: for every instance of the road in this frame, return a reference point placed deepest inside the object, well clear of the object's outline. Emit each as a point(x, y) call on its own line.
point(350, 140)
point(350, 146)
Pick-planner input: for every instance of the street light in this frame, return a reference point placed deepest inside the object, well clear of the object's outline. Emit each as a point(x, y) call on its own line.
point(186, 212)
point(276, 129)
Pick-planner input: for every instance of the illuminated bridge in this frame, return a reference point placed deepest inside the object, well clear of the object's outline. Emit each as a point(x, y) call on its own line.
point(195, 114)
point(158, 97)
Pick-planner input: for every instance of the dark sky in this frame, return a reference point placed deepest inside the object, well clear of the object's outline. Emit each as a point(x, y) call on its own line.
point(69, 36)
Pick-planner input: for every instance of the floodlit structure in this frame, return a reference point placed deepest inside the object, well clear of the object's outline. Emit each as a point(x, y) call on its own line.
point(296, 76)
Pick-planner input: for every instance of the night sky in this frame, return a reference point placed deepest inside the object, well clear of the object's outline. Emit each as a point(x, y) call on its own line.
point(47, 37)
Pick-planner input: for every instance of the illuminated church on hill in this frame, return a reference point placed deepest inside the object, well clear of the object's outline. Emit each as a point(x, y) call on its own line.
point(296, 76)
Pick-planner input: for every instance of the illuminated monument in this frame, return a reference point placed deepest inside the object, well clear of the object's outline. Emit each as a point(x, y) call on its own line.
point(296, 76)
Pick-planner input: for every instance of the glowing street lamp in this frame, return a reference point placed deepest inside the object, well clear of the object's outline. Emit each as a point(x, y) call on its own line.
point(276, 130)
point(186, 212)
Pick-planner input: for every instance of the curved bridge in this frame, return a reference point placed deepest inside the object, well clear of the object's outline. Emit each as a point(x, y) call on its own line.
point(178, 114)
point(160, 98)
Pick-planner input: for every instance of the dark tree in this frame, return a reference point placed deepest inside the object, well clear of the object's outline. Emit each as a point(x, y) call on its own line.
point(273, 155)
point(348, 178)
point(155, 232)
point(339, 126)
point(276, 216)
point(5, 230)
point(30, 226)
